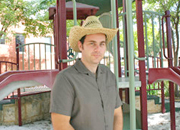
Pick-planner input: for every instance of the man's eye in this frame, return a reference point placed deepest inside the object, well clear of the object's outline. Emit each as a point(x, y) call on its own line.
point(102, 44)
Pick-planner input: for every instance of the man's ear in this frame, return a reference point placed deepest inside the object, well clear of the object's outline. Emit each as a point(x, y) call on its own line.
point(80, 45)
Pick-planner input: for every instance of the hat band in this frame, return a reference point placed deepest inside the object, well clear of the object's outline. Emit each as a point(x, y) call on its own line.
point(92, 22)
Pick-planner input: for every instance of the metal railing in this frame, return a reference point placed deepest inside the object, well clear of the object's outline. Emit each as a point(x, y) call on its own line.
point(36, 56)
point(33, 56)
point(7, 66)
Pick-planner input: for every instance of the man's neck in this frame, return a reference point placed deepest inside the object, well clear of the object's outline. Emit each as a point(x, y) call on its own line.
point(92, 67)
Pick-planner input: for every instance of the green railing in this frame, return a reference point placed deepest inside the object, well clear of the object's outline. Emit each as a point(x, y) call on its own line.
point(152, 38)
point(36, 56)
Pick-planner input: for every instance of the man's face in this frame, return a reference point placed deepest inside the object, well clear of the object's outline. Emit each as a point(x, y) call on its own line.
point(93, 48)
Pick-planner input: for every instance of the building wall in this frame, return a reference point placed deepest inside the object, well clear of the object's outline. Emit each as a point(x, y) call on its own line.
point(27, 60)
point(8, 50)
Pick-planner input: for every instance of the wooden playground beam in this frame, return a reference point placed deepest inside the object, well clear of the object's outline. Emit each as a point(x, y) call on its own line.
point(61, 26)
point(142, 70)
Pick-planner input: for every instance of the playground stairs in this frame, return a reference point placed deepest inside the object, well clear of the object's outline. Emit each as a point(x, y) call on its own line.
point(126, 117)
point(167, 105)
point(154, 104)
point(124, 82)
point(5, 102)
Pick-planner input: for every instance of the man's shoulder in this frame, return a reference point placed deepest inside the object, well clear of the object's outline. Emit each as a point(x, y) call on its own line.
point(105, 69)
point(68, 71)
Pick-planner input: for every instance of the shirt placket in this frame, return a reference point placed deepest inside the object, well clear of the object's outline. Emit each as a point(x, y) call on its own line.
point(101, 89)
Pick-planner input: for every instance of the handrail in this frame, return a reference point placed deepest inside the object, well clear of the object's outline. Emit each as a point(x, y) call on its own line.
point(163, 37)
point(33, 53)
point(140, 58)
point(69, 60)
point(35, 43)
point(152, 12)
point(154, 16)
point(144, 11)
point(8, 62)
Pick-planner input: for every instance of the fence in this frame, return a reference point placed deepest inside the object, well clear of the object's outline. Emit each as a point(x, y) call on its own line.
point(32, 56)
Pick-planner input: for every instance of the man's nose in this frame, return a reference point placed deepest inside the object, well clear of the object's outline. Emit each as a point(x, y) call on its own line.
point(97, 47)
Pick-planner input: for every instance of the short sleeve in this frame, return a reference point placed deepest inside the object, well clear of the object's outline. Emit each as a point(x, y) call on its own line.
point(62, 96)
point(118, 100)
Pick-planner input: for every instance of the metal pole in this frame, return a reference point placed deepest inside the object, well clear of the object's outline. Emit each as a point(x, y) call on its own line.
point(113, 9)
point(170, 64)
point(118, 47)
point(125, 50)
point(142, 70)
point(74, 12)
point(18, 90)
point(0, 68)
point(118, 40)
point(131, 64)
point(62, 32)
point(75, 23)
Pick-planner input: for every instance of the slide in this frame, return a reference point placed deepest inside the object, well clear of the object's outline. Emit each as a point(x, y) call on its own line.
point(13, 80)
point(159, 74)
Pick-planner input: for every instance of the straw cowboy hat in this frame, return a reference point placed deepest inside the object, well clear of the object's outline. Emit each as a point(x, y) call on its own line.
point(91, 25)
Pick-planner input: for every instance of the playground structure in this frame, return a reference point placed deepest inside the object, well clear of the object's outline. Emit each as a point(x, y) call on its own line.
point(9, 81)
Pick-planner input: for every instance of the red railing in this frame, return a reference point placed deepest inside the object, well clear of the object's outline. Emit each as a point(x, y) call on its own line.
point(7, 66)
point(10, 66)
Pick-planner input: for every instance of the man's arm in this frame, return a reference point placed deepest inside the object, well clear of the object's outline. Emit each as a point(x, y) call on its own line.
point(118, 119)
point(61, 122)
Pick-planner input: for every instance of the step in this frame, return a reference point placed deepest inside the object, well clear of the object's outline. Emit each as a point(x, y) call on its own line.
point(8, 101)
point(124, 82)
point(126, 117)
point(167, 106)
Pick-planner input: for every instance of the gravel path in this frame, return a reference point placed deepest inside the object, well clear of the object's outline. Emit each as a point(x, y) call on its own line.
point(157, 121)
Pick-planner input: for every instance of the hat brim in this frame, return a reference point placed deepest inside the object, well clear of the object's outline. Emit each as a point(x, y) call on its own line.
point(78, 32)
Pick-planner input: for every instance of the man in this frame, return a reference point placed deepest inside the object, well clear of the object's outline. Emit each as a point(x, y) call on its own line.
point(85, 96)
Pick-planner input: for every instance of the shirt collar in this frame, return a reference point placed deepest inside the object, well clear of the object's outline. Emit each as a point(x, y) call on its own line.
point(80, 67)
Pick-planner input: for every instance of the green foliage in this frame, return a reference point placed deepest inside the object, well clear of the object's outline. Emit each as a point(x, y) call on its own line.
point(153, 86)
point(69, 24)
point(158, 92)
point(33, 15)
point(174, 7)
point(152, 30)
point(153, 39)
point(166, 88)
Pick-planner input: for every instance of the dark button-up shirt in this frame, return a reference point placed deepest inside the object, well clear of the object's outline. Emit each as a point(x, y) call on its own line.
point(88, 99)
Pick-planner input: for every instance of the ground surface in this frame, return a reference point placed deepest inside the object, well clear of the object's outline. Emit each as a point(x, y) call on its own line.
point(157, 121)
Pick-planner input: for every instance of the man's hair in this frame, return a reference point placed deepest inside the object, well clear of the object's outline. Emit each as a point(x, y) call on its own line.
point(82, 39)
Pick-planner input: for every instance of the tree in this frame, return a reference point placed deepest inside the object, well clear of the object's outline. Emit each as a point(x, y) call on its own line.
point(174, 7)
point(29, 13)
